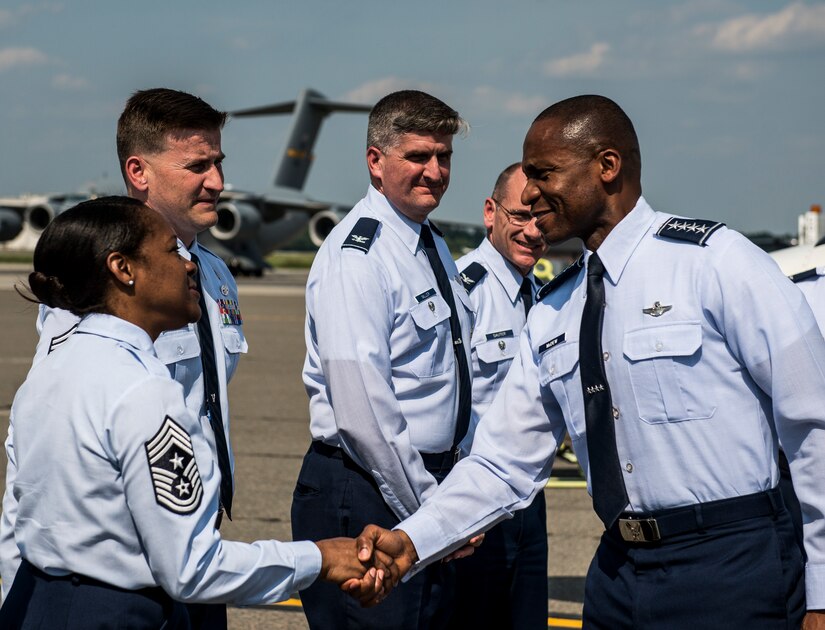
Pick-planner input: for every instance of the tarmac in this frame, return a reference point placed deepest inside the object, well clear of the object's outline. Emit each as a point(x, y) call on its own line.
point(270, 434)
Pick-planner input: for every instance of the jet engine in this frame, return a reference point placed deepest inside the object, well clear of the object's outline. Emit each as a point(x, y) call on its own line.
point(39, 215)
point(10, 224)
point(321, 224)
point(236, 219)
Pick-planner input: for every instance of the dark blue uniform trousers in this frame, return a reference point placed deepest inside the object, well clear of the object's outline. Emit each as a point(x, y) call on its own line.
point(744, 574)
point(335, 497)
point(504, 583)
point(38, 601)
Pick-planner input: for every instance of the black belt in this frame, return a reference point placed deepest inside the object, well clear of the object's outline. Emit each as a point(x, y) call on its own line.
point(152, 592)
point(643, 528)
point(433, 462)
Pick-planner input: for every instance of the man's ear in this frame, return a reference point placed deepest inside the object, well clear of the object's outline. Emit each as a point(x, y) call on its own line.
point(135, 170)
point(489, 213)
point(375, 164)
point(610, 165)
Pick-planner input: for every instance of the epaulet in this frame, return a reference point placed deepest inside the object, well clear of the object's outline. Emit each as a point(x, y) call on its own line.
point(696, 231)
point(362, 234)
point(804, 275)
point(569, 272)
point(472, 274)
point(435, 229)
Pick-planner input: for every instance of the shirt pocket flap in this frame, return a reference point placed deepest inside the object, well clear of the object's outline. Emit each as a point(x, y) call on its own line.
point(559, 361)
point(671, 340)
point(233, 340)
point(176, 345)
point(495, 350)
point(430, 311)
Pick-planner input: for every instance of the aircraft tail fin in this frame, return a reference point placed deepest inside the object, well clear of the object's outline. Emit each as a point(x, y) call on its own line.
point(309, 109)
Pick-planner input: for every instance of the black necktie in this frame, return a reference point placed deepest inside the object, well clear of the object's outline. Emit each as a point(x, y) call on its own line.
point(526, 291)
point(444, 288)
point(609, 493)
point(212, 393)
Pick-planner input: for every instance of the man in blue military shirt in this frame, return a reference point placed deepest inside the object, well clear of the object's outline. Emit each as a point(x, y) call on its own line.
point(169, 148)
point(677, 356)
point(386, 370)
point(504, 583)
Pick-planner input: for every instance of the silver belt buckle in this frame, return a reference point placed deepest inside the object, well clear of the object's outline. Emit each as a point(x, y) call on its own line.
point(639, 529)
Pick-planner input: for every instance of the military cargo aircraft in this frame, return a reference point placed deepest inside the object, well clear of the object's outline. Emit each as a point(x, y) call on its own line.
point(250, 224)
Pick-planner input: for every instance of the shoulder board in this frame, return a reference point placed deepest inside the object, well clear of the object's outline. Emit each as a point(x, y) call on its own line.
point(362, 234)
point(696, 231)
point(472, 274)
point(435, 229)
point(569, 272)
point(804, 275)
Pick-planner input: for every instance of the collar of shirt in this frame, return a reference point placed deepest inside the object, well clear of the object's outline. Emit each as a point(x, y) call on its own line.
point(506, 273)
point(113, 327)
point(407, 230)
point(187, 252)
point(618, 247)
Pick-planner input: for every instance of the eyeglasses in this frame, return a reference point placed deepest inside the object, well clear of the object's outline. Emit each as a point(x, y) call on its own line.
point(519, 218)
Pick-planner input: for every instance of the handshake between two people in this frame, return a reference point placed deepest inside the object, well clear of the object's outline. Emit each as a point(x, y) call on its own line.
point(370, 566)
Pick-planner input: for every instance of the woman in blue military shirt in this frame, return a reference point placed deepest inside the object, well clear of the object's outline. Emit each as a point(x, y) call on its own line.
point(112, 493)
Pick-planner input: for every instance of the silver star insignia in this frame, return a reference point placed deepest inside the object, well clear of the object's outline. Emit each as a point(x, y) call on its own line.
point(657, 310)
point(176, 461)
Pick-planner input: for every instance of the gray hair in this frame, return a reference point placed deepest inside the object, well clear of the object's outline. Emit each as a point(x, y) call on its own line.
point(408, 111)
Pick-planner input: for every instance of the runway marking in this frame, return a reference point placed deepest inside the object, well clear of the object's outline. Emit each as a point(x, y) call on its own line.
point(294, 604)
point(565, 483)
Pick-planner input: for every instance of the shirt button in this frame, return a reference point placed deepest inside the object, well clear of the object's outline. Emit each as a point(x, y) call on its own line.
point(552, 370)
point(180, 349)
point(615, 413)
point(628, 467)
point(606, 356)
point(659, 346)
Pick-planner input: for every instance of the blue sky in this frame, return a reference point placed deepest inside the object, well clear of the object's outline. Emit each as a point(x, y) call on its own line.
point(727, 96)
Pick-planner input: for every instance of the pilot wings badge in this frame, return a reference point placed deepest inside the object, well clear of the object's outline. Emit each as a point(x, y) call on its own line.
point(657, 310)
point(175, 477)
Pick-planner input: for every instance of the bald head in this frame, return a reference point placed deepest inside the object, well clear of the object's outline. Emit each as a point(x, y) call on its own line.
point(591, 123)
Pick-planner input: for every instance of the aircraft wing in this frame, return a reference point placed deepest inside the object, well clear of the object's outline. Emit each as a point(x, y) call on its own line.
point(792, 260)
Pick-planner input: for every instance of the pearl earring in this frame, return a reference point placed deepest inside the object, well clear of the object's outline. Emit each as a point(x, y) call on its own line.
point(131, 283)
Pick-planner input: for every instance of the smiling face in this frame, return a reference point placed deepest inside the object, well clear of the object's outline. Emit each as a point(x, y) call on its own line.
point(565, 184)
point(414, 173)
point(165, 291)
point(522, 245)
point(183, 182)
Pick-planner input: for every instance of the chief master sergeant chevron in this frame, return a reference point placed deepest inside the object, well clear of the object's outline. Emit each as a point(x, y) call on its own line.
point(386, 371)
point(677, 356)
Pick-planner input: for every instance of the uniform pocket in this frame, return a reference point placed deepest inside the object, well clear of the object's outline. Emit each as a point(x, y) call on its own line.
point(431, 317)
point(494, 358)
point(659, 361)
point(558, 371)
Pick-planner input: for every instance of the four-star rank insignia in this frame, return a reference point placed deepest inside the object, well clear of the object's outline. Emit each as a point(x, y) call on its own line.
point(175, 477)
point(696, 231)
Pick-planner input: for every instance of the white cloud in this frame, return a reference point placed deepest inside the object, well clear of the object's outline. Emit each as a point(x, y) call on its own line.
point(69, 82)
point(581, 64)
point(508, 102)
point(17, 57)
point(796, 24)
point(372, 91)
